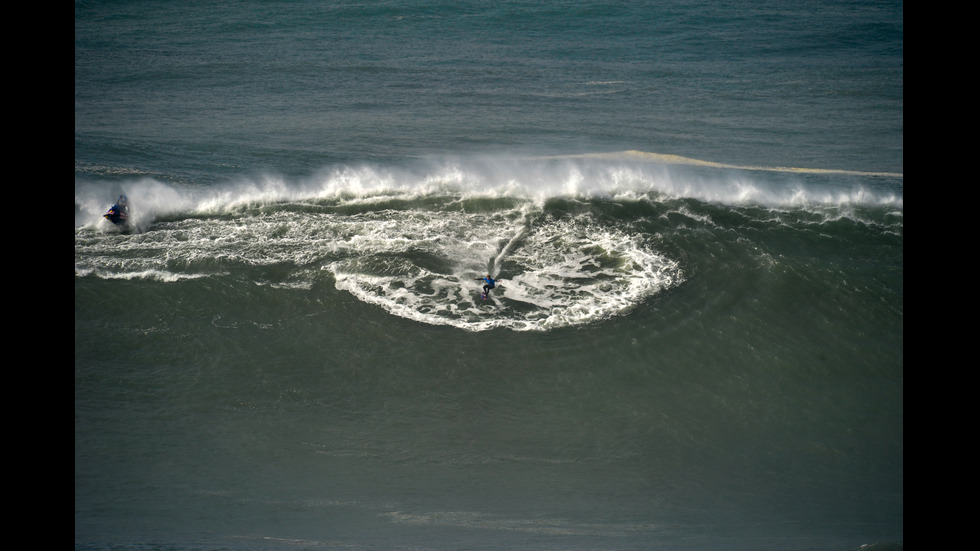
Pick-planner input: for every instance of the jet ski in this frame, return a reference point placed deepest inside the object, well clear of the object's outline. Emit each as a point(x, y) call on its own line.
point(118, 213)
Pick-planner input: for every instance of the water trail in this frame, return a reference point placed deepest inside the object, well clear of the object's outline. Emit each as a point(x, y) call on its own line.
point(493, 266)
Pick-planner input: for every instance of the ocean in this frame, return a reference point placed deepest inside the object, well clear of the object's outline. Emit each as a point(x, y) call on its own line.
point(694, 212)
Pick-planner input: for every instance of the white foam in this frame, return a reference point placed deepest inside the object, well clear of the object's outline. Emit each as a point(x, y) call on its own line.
point(555, 273)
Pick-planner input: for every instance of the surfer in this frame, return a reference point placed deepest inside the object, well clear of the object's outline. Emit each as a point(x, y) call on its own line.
point(490, 284)
point(119, 212)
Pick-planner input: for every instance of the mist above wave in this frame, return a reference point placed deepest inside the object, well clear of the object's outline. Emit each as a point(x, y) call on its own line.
point(616, 176)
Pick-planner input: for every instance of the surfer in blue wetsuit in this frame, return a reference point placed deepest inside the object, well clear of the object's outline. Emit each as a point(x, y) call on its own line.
point(490, 284)
point(119, 212)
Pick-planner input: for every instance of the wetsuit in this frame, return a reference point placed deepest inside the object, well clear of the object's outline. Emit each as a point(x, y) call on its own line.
point(490, 284)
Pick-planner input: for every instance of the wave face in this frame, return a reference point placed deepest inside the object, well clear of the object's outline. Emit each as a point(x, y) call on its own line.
point(572, 241)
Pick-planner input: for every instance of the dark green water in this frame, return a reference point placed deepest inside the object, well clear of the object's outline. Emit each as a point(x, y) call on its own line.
point(287, 349)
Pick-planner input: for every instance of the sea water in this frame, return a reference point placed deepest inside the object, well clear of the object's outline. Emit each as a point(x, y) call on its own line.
point(694, 213)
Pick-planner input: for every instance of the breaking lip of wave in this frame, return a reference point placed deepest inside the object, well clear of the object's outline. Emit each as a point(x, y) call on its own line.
point(621, 176)
point(629, 175)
